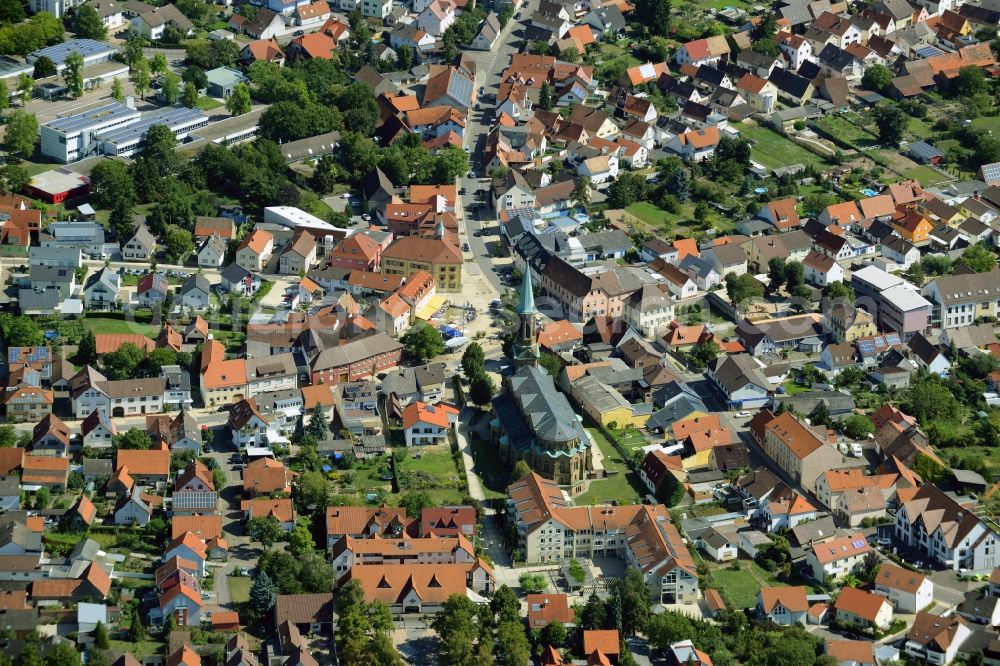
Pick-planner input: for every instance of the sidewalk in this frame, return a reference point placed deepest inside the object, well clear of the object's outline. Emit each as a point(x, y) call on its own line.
point(475, 488)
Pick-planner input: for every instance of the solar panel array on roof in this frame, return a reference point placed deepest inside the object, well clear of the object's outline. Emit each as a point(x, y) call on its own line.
point(58, 53)
point(172, 118)
point(10, 66)
point(991, 171)
point(647, 70)
point(928, 51)
point(27, 355)
point(195, 500)
point(460, 88)
point(106, 113)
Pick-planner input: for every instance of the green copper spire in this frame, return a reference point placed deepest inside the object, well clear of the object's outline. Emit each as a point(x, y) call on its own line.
point(526, 302)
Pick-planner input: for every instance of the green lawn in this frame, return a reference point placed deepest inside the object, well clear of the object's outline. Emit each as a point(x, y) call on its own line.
point(794, 388)
point(100, 324)
point(618, 486)
point(207, 103)
point(739, 588)
point(611, 51)
point(630, 439)
point(919, 128)
point(239, 588)
point(430, 470)
point(651, 215)
point(926, 176)
point(493, 474)
point(988, 123)
point(139, 650)
point(845, 130)
point(774, 150)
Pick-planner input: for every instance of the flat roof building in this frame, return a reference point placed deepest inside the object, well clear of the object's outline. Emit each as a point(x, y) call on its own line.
point(111, 129)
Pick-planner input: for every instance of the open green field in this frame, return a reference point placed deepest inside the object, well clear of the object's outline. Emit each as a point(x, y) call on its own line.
point(739, 588)
point(650, 214)
point(611, 51)
point(618, 487)
point(987, 123)
point(100, 324)
point(774, 150)
point(919, 128)
point(926, 176)
point(431, 470)
point(845, 130)
point(239, 588)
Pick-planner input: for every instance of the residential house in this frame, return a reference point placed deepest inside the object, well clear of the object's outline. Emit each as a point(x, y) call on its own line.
point(936, 639)
point(141, 246)
point(783, 605)
point(195, 292)
point(135, 508)
point(836, 559)
point(908, 591)
point(428, 424)
point(298, 255)
point(959, 300)
point(739, 379)
point(821, 269)
point(282, 509)
point(212, 252)
point(146, 468)
point(152, 289)
point(254, 250)
point(696, 145)
point(862, 610)
point(98, 430)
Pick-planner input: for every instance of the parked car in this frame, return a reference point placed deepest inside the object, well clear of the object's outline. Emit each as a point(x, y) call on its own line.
point(856, 450)
point(742, 415)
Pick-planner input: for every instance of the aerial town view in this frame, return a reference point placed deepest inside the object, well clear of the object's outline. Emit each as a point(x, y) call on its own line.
point(499, 332)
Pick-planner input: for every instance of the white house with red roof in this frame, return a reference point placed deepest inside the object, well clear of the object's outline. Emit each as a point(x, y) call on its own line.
point(428, 424)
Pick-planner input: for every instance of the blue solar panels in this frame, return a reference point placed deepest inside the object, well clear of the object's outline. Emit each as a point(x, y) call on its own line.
point(866, 347)
point(28, 355)
point(172, 118)
point(88, 48)
point(106, 113)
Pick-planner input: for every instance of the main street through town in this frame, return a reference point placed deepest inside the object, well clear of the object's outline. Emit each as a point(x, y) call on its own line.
point(489, 67)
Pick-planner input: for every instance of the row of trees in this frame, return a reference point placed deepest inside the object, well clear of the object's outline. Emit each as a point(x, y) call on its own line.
point(485, 635)
point(481, 386)
point(128, 361)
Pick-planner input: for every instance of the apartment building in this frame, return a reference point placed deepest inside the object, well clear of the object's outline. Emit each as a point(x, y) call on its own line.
point(959, 300)
point(948, 532)
point(798, 450)
point(551, 529)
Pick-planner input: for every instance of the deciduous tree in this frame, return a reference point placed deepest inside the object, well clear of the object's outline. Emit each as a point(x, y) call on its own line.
point(20, 133)
point(87, 24)
point(238, 101)
point(423, 342)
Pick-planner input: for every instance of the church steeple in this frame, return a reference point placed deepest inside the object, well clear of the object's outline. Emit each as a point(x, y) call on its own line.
point(526, 345)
